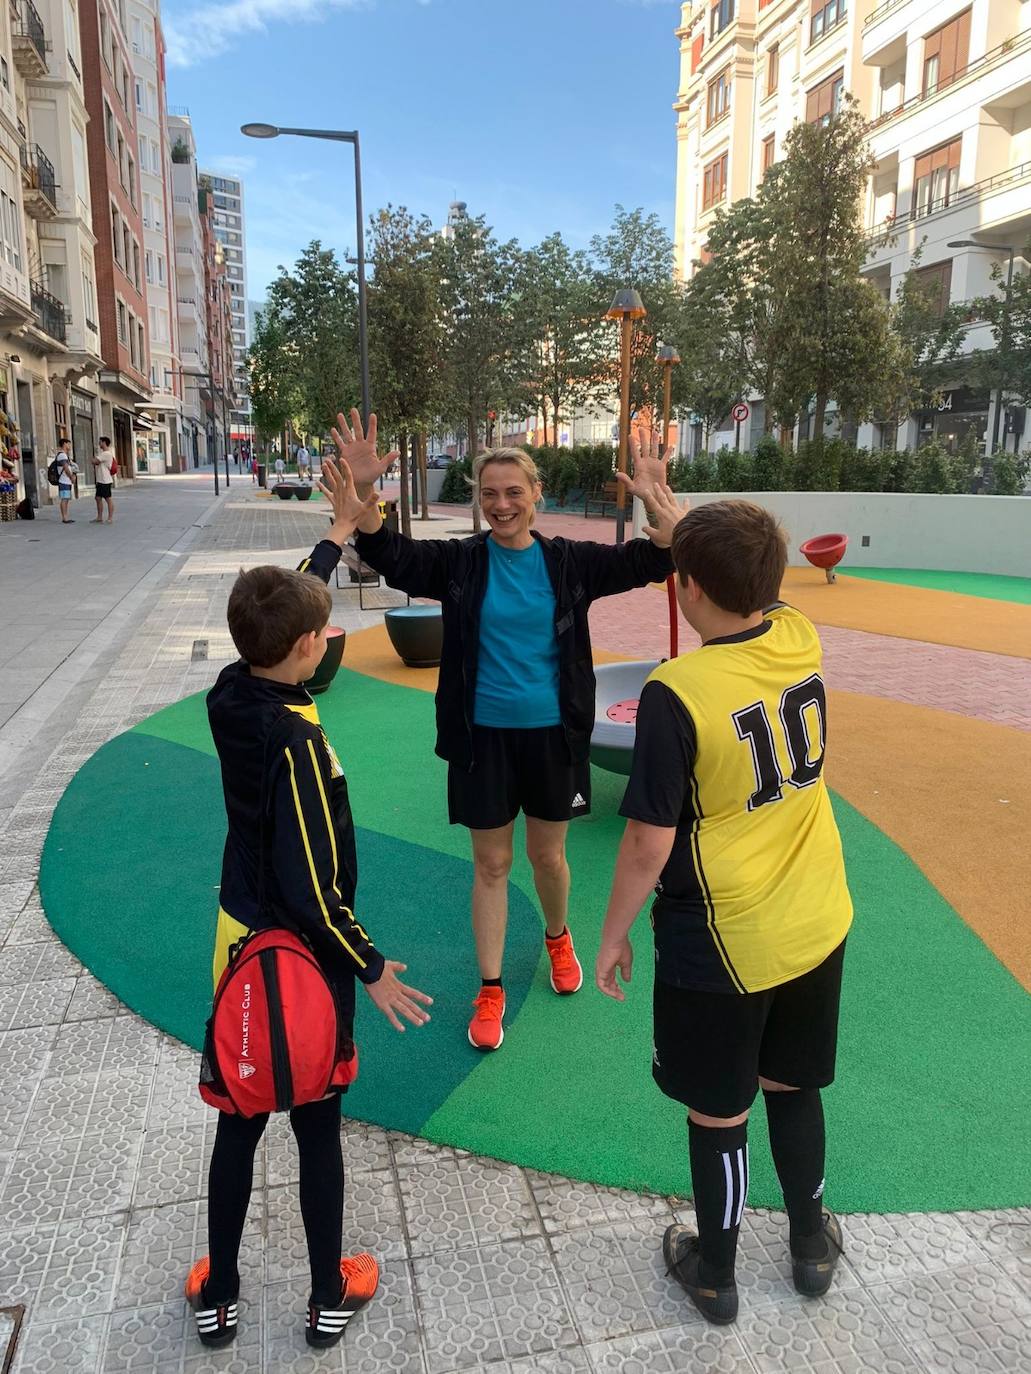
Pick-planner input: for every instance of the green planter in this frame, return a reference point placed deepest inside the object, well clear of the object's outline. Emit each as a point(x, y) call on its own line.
point(327, 669)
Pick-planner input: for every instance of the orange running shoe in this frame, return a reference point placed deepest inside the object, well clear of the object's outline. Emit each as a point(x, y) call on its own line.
point(360, 1275)
point(566, 974)
point(216, 1325)
point(485, 1029)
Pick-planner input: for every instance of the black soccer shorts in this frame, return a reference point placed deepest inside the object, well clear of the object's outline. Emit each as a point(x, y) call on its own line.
point(518, 770)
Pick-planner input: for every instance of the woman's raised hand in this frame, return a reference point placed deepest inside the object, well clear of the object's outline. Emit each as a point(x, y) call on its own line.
point(649, 469)
point(358, 450)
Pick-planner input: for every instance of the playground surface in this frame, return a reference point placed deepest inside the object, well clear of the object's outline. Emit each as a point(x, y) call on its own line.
point(930, 747)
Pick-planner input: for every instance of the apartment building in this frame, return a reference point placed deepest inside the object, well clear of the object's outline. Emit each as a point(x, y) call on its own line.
point(163, 449)
point(947, 88)
point(229, 227)
point(114, 171)
point(49, 343)
point(219, 319)
point(190, 289)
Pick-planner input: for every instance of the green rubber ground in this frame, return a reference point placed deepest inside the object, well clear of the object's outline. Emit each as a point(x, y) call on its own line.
point(991, 585)
point(931, 1108)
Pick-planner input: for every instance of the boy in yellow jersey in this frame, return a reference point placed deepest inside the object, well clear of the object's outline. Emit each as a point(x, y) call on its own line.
point(729, 820)
point(289, 861)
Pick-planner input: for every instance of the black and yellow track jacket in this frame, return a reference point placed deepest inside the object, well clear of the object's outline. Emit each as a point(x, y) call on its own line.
point(289, 821)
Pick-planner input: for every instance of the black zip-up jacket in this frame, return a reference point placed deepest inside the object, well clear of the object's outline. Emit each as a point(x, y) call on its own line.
point(454, 572)
point(289, 856)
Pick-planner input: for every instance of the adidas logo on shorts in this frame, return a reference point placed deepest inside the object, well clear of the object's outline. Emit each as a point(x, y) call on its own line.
point(577, 801)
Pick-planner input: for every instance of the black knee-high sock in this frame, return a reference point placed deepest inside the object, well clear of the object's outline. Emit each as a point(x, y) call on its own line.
point(797, 1142)
point(229, 1193)
point(719, 1173)
point(317, 1128)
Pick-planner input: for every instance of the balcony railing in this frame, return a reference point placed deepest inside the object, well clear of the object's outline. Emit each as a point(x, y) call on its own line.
point(966, 196)
point(49, 312)
point(29, 40)
point(1009, 47)
point(40, 182)
point(875, 15)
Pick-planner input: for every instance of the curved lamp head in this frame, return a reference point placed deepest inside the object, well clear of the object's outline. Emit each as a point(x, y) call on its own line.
point(667, 355)
point(260, 130)
point(626, 304)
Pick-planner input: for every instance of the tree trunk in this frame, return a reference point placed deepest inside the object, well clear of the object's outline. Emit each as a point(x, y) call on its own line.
point(474, 445)
point(554, 420)
point(420, 453)
point(406, 505)
point(819, 414)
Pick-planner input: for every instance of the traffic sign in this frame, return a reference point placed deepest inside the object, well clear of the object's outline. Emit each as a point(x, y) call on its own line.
point(740, 412)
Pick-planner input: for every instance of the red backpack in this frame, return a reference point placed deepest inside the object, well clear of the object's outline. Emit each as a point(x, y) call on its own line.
point(274, 1038)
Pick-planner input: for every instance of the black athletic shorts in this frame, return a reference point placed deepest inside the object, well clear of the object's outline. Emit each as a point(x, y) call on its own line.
point(710, 1048)
point(103, 490)
point(518, 770)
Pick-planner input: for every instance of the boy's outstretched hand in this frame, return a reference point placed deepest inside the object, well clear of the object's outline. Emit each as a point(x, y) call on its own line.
point(395, 998)
point(358, 450)
point(349, 509)
point(665, 510)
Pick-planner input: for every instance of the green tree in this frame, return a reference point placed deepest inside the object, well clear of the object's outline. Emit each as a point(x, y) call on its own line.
point(712, 372)
point(317, 306)
point(405, 336)
point(1008, 365)
point(271, 364)
point(927, 335)
point(563, 343)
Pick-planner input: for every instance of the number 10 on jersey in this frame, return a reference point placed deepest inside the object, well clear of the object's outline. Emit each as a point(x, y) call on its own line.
point(798, 705)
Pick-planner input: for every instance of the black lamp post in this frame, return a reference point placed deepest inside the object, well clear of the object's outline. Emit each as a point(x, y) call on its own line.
point(339, 136)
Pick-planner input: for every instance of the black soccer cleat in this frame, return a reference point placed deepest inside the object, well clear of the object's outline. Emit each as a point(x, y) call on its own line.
point(683, 1256)
point(812, 1277)
point(216, 1324)
point(360, 1275)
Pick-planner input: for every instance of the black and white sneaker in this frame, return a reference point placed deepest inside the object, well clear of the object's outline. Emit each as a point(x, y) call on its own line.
point(215, 1325)
point(812, 1277)
point(360, 1275)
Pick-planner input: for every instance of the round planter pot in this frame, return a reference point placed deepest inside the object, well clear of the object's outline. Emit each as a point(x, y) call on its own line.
point(283, 491)
point(327, 669)
point(304, 493)
point(417, 633)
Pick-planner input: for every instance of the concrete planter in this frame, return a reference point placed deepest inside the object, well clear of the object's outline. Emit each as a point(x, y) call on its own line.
point(417, 634)
point(327, 669)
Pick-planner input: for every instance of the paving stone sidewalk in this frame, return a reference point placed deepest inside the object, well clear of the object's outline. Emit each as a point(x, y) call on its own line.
point(487, 1267)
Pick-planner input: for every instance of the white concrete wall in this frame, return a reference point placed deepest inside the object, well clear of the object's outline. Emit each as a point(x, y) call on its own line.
point(988, 534)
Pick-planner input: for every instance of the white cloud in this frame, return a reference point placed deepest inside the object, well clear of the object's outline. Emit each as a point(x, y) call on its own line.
point(209, 29)
point(230, 165)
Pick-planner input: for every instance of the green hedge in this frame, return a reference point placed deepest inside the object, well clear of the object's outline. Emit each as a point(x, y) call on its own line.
point(833, 465)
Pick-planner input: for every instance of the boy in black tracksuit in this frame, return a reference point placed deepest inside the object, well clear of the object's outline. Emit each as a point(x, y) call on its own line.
point(289, 861)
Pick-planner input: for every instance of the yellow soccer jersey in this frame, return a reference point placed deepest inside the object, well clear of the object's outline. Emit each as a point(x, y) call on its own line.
point(729, 750)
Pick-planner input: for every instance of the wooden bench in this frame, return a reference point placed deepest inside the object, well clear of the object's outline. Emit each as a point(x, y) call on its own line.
point(603, 499)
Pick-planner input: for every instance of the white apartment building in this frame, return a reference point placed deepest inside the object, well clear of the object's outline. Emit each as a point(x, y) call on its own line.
point(49, 338)
point(190, 286)
point(947, 87)
point(166, 448)
point(230, 230)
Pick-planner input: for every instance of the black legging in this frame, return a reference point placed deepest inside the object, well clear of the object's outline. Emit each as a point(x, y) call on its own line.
point(317, 1129)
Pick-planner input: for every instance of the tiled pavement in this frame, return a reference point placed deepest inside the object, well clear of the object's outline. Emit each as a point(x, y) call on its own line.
point(487, 1267)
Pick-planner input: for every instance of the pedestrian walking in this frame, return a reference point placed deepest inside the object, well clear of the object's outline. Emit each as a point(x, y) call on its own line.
point(280, 467)
point(63, 472)
point(254, 472)
point(303, 462)
point(515, 701)
point(729, 823)
point(103, 477)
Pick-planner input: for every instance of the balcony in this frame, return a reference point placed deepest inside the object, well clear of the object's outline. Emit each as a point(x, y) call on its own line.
point(1013, 179)
point(1017, 46)
point(28, 40)
point(49, 312)
point(39, 182)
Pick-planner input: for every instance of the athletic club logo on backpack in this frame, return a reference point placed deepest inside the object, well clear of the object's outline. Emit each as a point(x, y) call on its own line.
point(246, 1070)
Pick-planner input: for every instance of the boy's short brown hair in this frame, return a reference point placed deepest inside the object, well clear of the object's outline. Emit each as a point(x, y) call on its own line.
point(270, 608)
point(736, 551)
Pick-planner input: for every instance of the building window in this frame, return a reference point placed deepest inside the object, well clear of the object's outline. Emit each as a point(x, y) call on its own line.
point(826, 15)
point(148, 265)
point(718, 98)
point(120, 157)
point(121, 322)
point(88, 297)
point(936, 177)
point(136, 264)
point(79, 169)
point(697, 44)
point(125, 90)
point(721, 14)
point(937, 280)
point(126, 248)
point(714, 182)
point(109, 126)
point(105, 38)
point(130, 167)
point(133, 356)
point(116, 236)
point(946, 52)
point(768, 147)
point(10, 218)
point(141, 343)
point(161, 269)
point(823, 101)
point(772, 69)
point(147, 211)
point(138, 88)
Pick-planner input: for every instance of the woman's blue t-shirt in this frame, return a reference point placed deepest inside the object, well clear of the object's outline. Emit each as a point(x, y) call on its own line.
point(517, 672)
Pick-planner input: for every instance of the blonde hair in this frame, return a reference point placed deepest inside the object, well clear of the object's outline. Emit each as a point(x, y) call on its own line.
point(518, 456)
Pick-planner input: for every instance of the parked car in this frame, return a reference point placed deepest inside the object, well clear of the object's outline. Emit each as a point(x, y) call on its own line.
point(439, 460)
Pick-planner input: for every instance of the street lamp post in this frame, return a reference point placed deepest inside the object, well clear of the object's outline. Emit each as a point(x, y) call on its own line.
point(626, 307)
point(667, 358)
point(339, 136)
point(996, 248)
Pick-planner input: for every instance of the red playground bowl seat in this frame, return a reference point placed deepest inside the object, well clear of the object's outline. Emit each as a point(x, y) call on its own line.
point(825, 550)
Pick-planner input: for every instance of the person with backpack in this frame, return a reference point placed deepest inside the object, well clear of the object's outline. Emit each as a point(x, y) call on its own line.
point(104, 467)
point(61, 474)
point(289, 876)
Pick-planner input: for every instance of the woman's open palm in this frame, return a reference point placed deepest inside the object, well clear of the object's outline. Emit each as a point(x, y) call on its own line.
point(358, 450)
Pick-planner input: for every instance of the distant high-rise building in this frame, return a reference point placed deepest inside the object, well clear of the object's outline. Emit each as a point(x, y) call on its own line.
point(456, 211)
point(227, 192)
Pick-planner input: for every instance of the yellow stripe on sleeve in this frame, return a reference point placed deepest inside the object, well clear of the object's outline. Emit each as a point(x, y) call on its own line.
point(311, 863)
point(325, 811)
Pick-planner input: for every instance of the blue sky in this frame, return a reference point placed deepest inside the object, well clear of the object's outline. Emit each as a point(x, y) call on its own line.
point(540, 114)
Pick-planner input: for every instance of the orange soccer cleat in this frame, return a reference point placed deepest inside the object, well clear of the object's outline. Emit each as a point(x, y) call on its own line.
point(216, 1322)
point(360, 1275)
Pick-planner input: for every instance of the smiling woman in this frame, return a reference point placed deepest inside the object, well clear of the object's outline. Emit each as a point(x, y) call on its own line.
point(515, 701)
